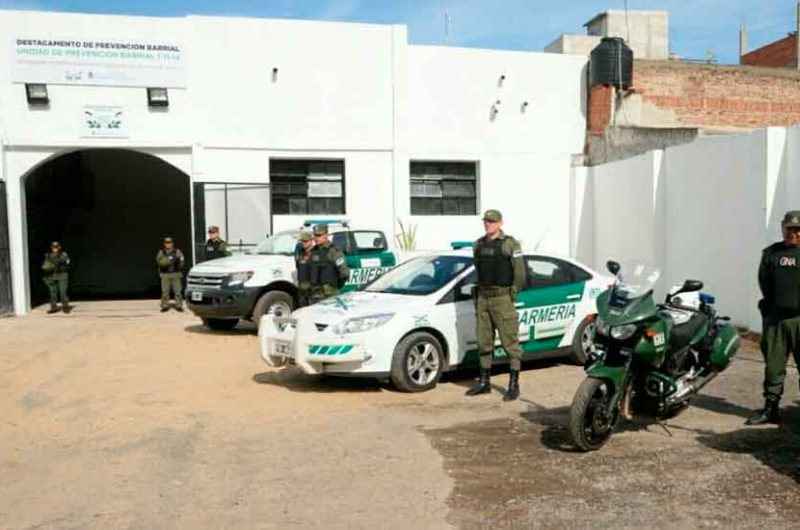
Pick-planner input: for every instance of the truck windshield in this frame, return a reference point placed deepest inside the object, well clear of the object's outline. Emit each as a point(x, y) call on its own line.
point(281, 243)
point(420, 276)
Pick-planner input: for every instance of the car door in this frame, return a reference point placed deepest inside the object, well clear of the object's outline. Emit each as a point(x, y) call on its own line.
point(547, 305)
point(457, 309)
point(366, 254)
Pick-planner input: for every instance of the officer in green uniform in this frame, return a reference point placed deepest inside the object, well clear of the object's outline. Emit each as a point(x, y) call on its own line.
point(170, 267)
point(329, 272)
point(779, 280)
point(216, 247)
point(501, 273)
point(302, 259)
point(55, 268)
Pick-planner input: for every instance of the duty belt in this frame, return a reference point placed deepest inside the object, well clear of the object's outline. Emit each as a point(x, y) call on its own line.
point(490, 292)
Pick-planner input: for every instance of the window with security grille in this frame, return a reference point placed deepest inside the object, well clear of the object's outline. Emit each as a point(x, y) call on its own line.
point(444, 188)
point(302, 187)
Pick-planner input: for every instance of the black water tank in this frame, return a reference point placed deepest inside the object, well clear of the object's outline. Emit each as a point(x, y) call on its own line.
point(612, 63)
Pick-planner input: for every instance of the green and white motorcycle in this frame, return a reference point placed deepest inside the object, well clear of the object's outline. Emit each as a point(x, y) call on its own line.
point(648, 358)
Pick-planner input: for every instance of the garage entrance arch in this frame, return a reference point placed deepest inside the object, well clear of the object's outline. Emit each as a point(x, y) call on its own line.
point(110, 208)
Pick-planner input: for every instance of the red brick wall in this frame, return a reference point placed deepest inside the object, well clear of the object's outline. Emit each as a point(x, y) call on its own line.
point(710, 96)
point(782, 54)
point(601, 99)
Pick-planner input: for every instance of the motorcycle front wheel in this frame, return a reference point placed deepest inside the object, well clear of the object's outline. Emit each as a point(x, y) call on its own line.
point(591, 420)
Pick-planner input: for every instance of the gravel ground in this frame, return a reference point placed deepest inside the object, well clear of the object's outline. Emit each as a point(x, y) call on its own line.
point(118, 416)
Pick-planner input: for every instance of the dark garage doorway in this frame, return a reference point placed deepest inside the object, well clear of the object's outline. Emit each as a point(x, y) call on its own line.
point(110, 208)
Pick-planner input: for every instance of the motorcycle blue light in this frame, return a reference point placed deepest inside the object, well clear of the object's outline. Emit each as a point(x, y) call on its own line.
point(707, 299)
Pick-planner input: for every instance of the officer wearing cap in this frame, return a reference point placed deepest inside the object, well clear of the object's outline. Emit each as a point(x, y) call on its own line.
point(302, 259)
point(501, 273)
point(170, 267)
point(329, 272)
point(216, 247)
point(779, 280)
point(55, 269)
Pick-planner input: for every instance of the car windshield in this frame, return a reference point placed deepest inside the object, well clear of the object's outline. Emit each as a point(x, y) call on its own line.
point(420, 276)
point(280, 243)
point(633, 281)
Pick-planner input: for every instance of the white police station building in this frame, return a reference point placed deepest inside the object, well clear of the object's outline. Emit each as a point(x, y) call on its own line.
point(116, 131)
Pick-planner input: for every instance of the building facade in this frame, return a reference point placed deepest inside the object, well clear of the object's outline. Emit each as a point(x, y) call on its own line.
point(265, 123)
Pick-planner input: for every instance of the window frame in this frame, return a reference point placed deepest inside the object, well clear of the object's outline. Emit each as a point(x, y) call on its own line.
point(289, 175)
point(437, 175)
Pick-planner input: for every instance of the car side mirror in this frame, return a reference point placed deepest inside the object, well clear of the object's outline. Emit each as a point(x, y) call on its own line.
point(467, 291)
point(613, 267)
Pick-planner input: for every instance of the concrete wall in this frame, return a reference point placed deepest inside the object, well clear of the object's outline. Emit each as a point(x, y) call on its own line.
point(703, 210)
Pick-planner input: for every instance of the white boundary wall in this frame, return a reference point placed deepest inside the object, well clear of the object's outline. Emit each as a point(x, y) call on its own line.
point(704, 211)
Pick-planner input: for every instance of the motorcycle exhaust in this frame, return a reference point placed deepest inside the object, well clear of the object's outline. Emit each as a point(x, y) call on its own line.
point(689, 389)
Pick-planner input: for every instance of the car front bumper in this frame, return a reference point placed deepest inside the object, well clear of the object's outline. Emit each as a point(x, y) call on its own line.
point(221, 303)
point(316, 351)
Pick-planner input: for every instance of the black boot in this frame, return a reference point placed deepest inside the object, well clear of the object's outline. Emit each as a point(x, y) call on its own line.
point(482, 386)
point(513, 386)
point(770, 414)
point(53, 309)
point(66, 308)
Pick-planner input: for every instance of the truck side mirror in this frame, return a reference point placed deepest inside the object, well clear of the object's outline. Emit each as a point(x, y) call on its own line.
point(613, 267)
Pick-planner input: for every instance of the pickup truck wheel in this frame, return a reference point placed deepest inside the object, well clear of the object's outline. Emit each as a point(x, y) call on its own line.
point(276, 303)
point(417, 363)
point(221, 324)
point(583, 341)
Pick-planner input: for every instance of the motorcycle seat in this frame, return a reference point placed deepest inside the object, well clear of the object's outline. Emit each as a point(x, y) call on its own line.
point(682, 333)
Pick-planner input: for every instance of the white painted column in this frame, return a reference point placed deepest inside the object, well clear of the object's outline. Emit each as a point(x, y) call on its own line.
point(17, 232)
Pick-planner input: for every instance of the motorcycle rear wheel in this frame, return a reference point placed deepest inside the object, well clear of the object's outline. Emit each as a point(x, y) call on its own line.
point(591, 423)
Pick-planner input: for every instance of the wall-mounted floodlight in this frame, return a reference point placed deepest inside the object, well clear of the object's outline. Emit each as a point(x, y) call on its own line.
point(274, 74)
point(36, 94)
point(157, 97)
point(524, 106)
point(500, 81)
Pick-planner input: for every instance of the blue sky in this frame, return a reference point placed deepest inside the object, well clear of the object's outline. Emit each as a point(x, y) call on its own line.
point(696, 26)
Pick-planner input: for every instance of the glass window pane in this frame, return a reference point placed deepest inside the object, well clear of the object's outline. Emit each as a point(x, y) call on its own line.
point(317, 188)
point(297, 205)
point(458, 188)
point(450, 206)
point(280, 205)
point(467, 206)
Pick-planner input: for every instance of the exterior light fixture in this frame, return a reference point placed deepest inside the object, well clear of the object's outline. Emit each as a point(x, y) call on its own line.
point(157, 97)
point(274, 74)
point(524, 106)
point(36, 94)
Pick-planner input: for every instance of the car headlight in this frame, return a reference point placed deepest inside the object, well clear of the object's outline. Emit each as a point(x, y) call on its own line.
point(601, 326)
point(238, 278)
point(355, 325)
point(623, 332)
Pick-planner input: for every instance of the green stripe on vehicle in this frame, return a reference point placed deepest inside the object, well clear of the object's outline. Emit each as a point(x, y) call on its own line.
point(341, 349)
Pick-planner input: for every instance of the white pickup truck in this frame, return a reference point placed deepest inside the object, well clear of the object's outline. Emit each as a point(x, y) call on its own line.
point(264, 280)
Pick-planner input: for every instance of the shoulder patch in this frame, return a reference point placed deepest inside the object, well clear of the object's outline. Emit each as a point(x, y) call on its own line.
point(339, 261)
point(517, 253)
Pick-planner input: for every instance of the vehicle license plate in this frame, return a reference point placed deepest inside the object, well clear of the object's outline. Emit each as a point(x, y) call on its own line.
point(197, 297)
point(283, 347)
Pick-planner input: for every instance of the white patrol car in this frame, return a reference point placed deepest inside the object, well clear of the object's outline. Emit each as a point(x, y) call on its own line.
point(418, 320)
point(264, 280)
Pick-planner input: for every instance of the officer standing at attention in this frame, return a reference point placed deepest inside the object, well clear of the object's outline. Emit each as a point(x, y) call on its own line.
point(215, 246)
point(56, 276)
point(329, 271)
point(170, 266)
point(779, 280)
point(501, 274)
point(302, 259)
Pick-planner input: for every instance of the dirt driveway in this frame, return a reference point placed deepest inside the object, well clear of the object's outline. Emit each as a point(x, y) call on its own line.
point(118, 416)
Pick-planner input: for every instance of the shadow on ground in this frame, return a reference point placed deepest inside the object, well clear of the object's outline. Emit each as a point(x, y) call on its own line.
point(294, 380)
point(241, 329)
point(776, 447)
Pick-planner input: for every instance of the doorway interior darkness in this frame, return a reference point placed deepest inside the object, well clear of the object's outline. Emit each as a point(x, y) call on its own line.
point(110, 209)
